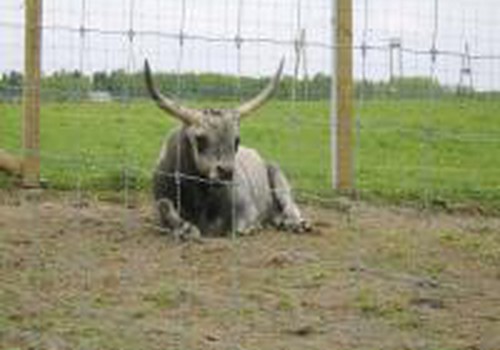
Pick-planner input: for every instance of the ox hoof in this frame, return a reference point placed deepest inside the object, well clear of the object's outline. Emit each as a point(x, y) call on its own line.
point(248, 231)
point(187, 232)
point(296, 226)
point(302, 226)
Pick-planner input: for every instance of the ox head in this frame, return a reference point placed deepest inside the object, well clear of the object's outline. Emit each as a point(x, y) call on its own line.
point(213, 134)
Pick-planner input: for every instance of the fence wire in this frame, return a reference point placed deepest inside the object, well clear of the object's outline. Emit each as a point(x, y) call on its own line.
point(427, 82)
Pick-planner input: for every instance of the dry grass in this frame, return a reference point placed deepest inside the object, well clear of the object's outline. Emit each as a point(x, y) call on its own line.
point(96, 275)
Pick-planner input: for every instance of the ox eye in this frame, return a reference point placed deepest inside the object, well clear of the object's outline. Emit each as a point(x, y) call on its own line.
point(236, 143)
point(202, 143)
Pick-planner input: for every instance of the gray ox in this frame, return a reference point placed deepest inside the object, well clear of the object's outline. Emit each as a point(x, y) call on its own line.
point(205, 183)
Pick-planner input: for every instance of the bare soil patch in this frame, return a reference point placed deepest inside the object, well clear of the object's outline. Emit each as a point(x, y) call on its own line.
point(97, 275)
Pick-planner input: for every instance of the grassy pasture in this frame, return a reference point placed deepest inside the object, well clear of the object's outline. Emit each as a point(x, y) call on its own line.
point(96, 275)
point(443, 152)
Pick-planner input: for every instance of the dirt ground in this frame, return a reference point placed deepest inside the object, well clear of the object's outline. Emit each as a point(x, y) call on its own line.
point(91, 274)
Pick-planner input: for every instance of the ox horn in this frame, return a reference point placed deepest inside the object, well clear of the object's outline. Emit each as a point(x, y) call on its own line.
point(264, 95)
point(186, 115)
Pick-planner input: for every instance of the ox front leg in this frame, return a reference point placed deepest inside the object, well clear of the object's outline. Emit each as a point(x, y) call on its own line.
point(173, 223)
point(287, 215)
point(247, 224)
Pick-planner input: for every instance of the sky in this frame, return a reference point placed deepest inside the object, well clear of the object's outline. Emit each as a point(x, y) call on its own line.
point(268, 29)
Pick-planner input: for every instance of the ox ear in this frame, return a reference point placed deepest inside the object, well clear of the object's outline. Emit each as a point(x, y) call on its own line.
point(268, 92)
point(186, 115)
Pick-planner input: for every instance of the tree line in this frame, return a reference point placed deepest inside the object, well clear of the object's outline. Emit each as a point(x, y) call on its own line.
point(119, 85)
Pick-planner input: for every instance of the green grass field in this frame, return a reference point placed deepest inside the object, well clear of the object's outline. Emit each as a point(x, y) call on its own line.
point(444, 152)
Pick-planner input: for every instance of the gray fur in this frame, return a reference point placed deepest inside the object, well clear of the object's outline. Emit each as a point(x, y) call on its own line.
point(206, 184)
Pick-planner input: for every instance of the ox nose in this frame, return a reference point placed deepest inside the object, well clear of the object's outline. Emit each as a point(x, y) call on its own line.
point(225, 173)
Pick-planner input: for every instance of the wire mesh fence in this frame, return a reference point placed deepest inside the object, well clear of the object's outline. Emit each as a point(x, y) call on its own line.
point(423, 65)
point(426, 132)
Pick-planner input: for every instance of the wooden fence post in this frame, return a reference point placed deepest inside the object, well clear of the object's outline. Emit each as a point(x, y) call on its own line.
point(10, 164)
point(341, 118)
point(31, 93)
